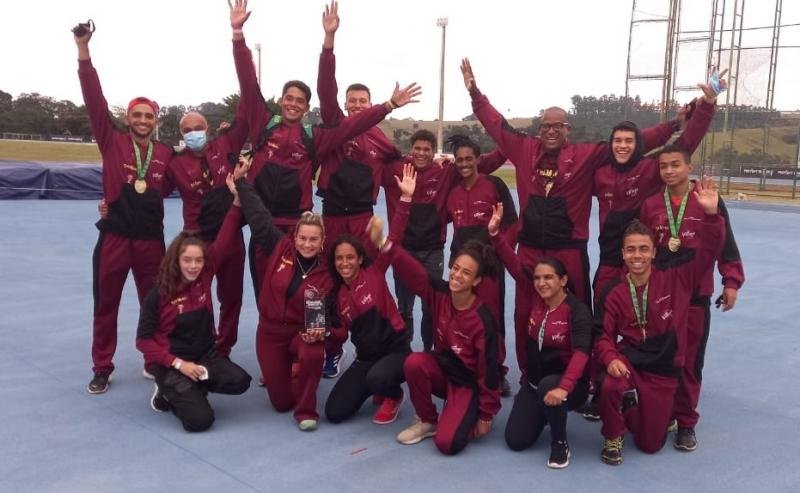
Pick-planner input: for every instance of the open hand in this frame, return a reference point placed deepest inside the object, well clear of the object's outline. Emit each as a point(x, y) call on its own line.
point(408, 183)
point(330, 18)
point(239, 13)
point(401, 97)
point(707, 194)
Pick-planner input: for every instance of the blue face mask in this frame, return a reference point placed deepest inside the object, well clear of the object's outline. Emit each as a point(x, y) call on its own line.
point(195, 140)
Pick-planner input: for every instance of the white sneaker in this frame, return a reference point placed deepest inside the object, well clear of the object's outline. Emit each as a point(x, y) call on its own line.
point(418, 431)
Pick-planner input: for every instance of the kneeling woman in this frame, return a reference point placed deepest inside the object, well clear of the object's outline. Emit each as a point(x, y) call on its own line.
point(289, 347)
point(463, 366)
point(176, 329)
point(558, 347)
point(365, 307)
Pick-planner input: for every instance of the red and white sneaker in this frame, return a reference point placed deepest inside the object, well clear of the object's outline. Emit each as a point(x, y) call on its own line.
point(388, 410)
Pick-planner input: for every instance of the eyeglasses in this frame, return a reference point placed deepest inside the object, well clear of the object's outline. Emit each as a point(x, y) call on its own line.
point(558, 126)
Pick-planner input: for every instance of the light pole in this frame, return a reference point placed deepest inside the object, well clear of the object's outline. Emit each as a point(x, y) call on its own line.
point(258, 49)
point(441, 22)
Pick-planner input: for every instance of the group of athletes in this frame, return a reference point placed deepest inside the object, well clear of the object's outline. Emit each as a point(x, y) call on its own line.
point(634, 360)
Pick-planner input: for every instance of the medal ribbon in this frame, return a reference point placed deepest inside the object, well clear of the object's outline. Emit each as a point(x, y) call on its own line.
point(674, 225)
point(641, 310)
point(542, 326)
point(141, 171)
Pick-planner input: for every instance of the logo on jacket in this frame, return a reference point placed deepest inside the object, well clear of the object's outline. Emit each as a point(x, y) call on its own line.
point(284, 262)
point(366, 299)
point(632, 192)
point(456, 349)
point(559, 338)
point(667, 314)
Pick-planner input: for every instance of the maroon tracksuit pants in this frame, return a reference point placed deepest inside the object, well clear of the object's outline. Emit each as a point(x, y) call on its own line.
point(113, 257)
point(230, 279)
point(492, 292)
point(576, 261)
point(688, 393)
point(647, 421)
point(459, 416)
point(276, 350)
point(355, 225)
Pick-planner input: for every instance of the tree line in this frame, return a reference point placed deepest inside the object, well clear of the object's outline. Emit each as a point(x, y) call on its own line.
point(591, 117)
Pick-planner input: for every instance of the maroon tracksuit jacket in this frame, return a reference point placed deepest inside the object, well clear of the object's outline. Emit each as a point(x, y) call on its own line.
point(567, 340)
point(206, 199)
point(130, 214)
point(350, 177)
point(622, 189)
point(654, 361)
point(559, 219)
point(283, 164)
point(698, 325)
point(132, 235)
point(654, 215)
point(669, 293)
point(464, 341)
point(182, 325)
point(366, 309)
point(281, 313)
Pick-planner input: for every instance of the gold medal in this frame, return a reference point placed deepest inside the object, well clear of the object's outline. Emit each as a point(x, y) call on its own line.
point(140, 186)
point(674, 244)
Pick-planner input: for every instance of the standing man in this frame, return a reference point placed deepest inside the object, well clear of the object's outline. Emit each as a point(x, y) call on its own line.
point(134, 184)
point(554, 183)
point(427, 223)
point(675, 216)
point(350, 178)
point(286, 152)
point(199, 172)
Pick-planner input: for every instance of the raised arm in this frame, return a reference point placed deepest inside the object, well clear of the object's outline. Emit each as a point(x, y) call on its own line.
point(491, 162)
point(262, 228)
point(96, 105)
point(256, 112)
point(406, 185)
point(516, 146)
point(327, 88)
point(504, 251)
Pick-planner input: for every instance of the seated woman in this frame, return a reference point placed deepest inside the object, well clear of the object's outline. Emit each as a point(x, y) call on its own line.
point(643, 341)
point(463, 367)
point(290, 332)
point(176, 329)
point(365, 307)
point(558, 347)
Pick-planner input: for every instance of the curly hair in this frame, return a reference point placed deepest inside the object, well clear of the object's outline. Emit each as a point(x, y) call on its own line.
point(169, 274)
point(483, 255)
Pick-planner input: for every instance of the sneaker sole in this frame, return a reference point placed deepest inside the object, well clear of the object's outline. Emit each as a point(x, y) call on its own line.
point(684, 448)
point(611, 462)
point(418, 439)
point(153, 398)
point(395, 414)
point(102, 391)
point(146, 374)
point(311, 427)
point(556, 465)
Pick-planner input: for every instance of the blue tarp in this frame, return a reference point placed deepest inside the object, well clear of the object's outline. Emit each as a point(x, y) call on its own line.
point(37, 180)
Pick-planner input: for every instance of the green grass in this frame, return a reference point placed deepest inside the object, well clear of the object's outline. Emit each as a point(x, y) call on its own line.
point(68, 152)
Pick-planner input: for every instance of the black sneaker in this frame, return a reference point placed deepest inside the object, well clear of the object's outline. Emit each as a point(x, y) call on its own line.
point(158, 402)
point(685, 440)
point(505, 388)
point(612, 451)
point(591, 410)
point(99, 383)
point(559, 455)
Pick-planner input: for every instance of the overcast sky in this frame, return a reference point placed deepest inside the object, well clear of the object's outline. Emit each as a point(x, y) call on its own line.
point(527, 55)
